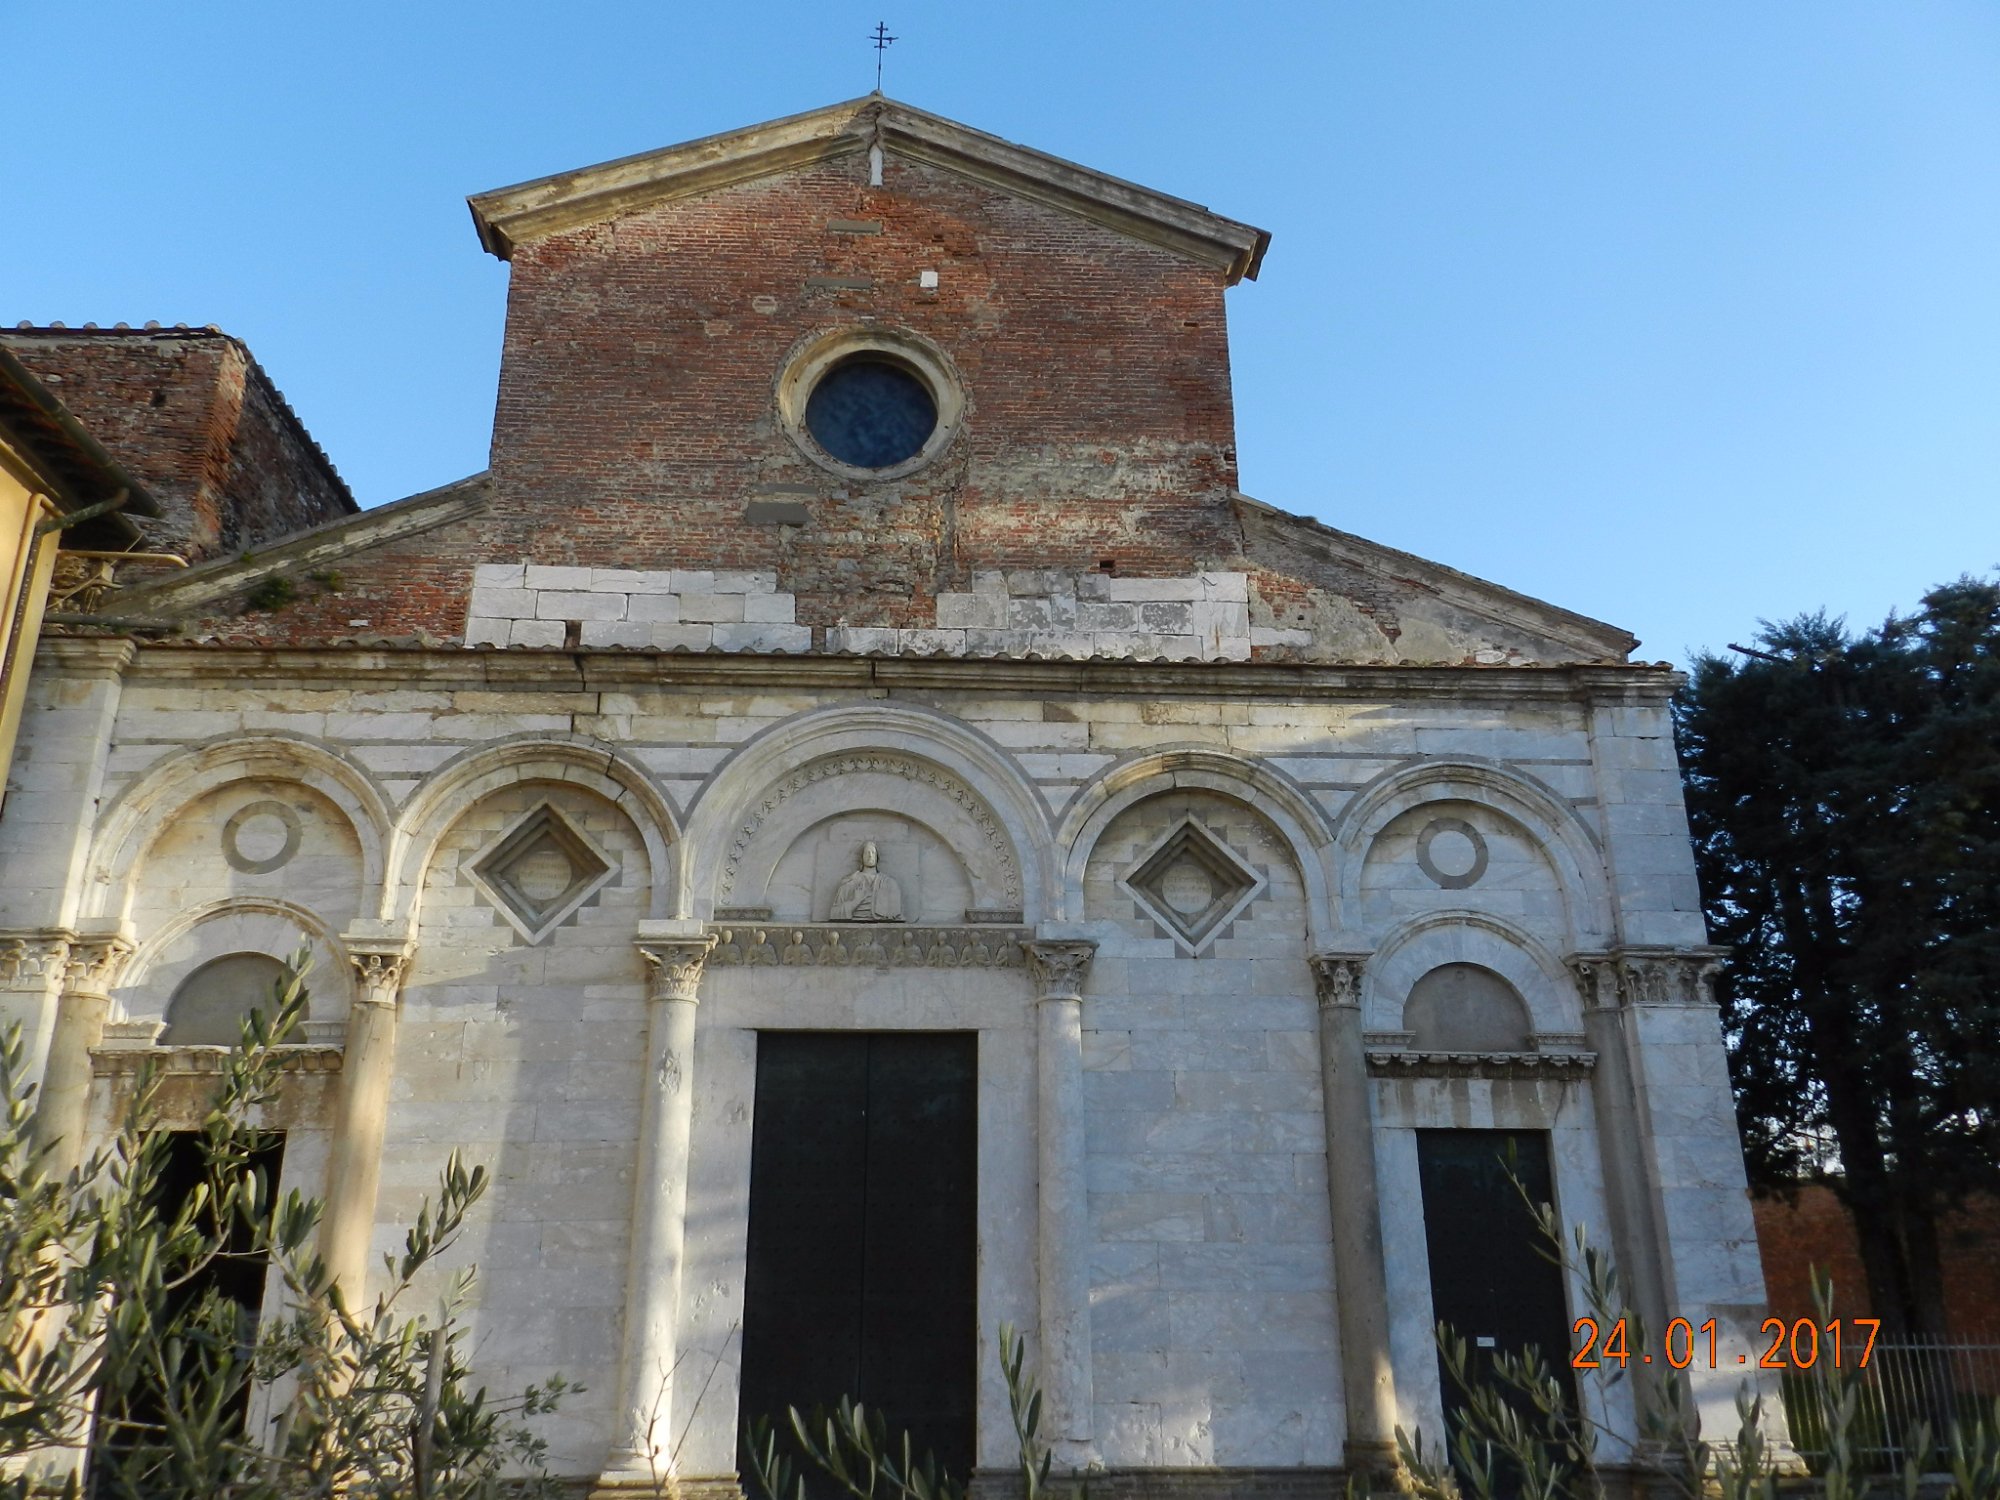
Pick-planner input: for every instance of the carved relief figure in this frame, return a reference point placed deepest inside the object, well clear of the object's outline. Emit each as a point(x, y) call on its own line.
point(867, 895)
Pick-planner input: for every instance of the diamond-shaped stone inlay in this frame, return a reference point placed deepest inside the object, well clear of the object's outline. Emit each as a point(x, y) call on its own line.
point(1193, 884)
point(540, 871)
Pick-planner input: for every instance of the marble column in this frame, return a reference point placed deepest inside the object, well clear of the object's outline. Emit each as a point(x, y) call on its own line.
point(368, 1066)
point(91, 967)
point(1064, 1226)
point(642, 1442)
point(1631, 1186)
point(1361, 1290)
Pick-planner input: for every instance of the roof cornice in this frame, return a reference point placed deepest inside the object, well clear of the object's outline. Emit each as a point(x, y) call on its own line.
point(510, 216)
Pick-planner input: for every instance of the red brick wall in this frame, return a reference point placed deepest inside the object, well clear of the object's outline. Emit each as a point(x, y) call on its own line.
point(191, 415)
point(637, 419)
point(1814, 1229)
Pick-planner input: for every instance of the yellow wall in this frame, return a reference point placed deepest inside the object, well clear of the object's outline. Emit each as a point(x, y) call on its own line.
point(25, 566)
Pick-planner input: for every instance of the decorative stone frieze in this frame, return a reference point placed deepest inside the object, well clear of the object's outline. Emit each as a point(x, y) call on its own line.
point(836, 945)
point(1647, 976)
point(1388, 1062)
point(109, 1062)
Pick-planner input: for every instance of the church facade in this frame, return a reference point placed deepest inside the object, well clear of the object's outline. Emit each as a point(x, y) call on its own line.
point(870, 836)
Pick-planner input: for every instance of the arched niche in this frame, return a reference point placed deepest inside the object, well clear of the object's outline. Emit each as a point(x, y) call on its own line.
point(1460, 1007)
point(803, 834)
point(1281, 805)
point(441, 804)
point(732, 848)
point(1450, 853)
point(1433, 940)
point(277, 928)
point(1240, 874)
point(1492, 800)
point(932, 881)
point(254, 839)
point(533, 861)
point(209, 1007)
point(183, 806)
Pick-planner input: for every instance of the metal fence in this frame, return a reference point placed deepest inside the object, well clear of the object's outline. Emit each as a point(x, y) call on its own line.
point(1906, 1386)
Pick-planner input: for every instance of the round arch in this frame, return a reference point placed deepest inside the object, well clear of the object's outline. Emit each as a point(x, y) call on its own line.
point(454, 787)
point(263, 924)
point(730, 806)
point(1281, 801)
point(139, 813)
point(1568, 842)
point(1423, 943)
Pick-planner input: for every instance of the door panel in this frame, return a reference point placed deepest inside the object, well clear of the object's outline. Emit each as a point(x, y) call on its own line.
point(863, 1239)
point(1488, 1278)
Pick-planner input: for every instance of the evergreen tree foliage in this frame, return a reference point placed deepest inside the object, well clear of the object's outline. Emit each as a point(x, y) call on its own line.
point(1844, 793)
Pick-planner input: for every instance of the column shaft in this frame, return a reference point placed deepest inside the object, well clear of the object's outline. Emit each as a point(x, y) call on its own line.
point(367, 1067)
point(62, 1108)
point(1361, 1289)
point(643, 1443)
point(1063, 1237)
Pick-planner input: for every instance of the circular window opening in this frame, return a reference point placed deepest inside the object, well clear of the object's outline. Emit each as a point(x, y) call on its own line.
point(871, 412)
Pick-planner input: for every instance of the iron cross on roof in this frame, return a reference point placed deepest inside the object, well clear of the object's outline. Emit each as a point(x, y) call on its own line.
point(882, 39)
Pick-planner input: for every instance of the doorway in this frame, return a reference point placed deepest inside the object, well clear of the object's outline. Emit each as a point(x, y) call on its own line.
point(863, 1243)
point(1489, 1279)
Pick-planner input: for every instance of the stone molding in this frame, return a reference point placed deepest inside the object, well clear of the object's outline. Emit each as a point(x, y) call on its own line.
point(1637, 684)
point(1337, 979)
point(881, 945)
point(1396, 1062)
point(674, 965)
point(123, 1061)
point(1626, 977)
point(1060, 966)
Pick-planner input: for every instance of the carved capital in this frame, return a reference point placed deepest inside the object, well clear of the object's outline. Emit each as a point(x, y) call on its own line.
point(1337, 978)
point(33, 955)
point(673, 966)
point(1060, 966)
point(1597, 979)
point(378, 972)
point(1647, 976)
point(92, 965)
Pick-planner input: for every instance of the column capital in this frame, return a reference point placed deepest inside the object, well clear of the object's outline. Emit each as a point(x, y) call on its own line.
point(34, 953)
point(379, 953)
point(674, 964)
point(1337, 978)
point(1625, 977)
point(1060, 964)
point(93, 962)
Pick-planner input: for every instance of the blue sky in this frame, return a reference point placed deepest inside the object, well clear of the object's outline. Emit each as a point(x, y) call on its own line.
point(1678, 314)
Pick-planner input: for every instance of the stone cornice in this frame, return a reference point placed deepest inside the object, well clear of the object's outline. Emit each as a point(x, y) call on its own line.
point(902, 945)
point(588, 671)
point(509, 216)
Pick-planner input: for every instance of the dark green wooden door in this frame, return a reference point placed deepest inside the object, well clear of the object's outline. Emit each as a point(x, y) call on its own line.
point(1489, 1279)
point(863, 1231)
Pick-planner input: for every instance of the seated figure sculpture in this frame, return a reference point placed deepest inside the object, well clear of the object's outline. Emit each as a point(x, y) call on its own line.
point(866, 894)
